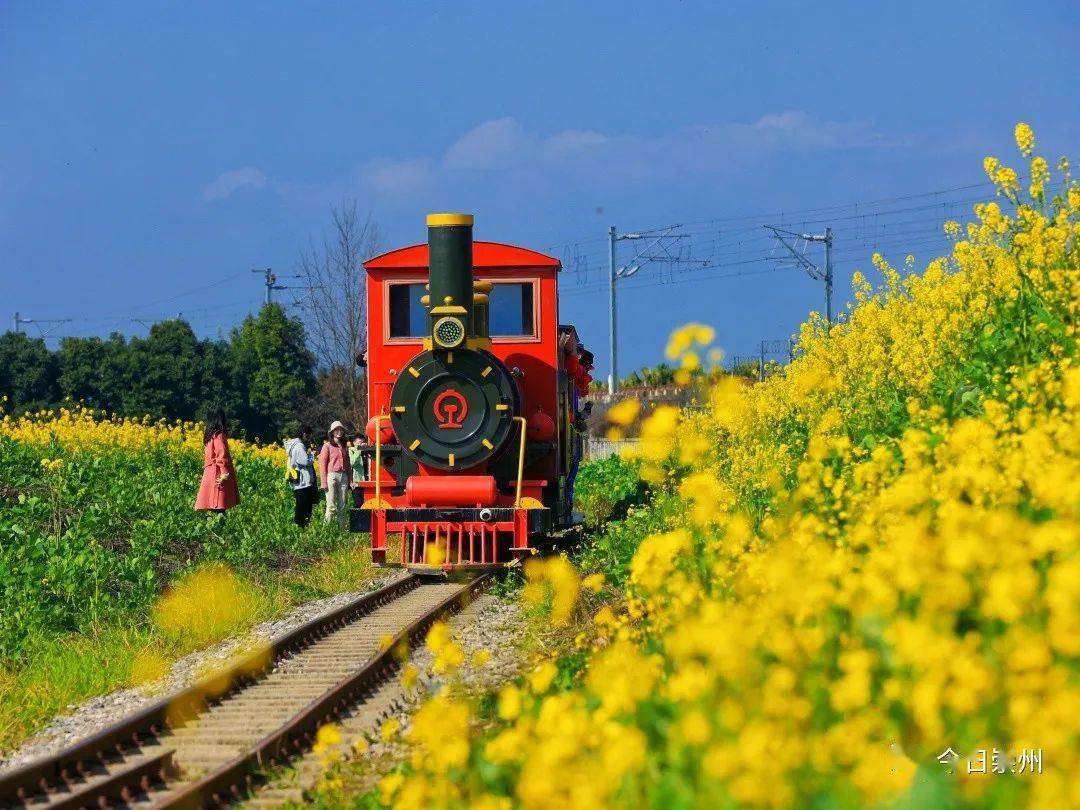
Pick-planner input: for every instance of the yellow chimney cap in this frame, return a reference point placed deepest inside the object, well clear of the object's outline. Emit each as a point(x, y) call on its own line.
point(446, 220)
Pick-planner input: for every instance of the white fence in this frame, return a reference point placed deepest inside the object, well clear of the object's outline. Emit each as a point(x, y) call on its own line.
point(596, 447)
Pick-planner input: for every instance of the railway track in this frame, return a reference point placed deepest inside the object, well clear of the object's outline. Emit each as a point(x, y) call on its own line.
point(210, 744)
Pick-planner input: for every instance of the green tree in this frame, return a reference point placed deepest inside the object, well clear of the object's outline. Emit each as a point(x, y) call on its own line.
point(262, 377)
point(650, 377)
point(169, 374)
point(27, 372)
point(84, 366)
point(662, 374)
point(114, 373)
point(164, 372)
point(218, 383)
point(273, 371)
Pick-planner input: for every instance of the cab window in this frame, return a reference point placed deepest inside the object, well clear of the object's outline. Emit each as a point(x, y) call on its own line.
point(511, 309)
point(408, 317)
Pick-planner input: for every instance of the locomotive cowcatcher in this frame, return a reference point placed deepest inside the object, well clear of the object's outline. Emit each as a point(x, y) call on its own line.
point(472, 396)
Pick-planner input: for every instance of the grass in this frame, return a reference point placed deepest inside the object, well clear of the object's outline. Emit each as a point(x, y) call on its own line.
point(107, 574)
point(62, 660)
point(56, 672)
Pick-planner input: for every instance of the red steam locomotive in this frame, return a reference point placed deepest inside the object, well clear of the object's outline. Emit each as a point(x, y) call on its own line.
point(473, 387)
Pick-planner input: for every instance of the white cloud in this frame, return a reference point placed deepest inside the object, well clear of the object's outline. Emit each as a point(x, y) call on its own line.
point(226, 184)
point(798, 130)
point(398, 178)
point(503, 148)
point(706, 148)
point(573, 141)
point(499, 144)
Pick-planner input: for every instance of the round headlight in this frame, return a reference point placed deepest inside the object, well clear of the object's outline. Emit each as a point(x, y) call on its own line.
point(448, 332)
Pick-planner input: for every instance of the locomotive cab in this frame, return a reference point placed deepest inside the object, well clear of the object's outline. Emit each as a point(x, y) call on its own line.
point(472, 435)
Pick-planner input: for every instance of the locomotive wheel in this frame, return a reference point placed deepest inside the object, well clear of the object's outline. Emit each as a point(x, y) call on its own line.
point(453, 410)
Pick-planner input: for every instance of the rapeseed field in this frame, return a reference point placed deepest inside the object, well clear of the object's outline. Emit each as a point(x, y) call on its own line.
point(856, 584)
point(107, 573)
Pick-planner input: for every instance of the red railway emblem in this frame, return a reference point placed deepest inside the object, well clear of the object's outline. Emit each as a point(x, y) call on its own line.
point(450, 409)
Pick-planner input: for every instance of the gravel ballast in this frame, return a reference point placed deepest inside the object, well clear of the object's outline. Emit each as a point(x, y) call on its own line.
point(100, 712)
point(489, 623)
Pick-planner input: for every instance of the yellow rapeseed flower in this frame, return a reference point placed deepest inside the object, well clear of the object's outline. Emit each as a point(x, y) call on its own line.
point(389, 729)
point(593, 582)
point(1025, 138)
point(509, 702)
point(624, 412)
point(848, 571)
point(541, 677)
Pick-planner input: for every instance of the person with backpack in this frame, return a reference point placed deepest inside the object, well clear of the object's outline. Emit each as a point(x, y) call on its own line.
point(300, 472)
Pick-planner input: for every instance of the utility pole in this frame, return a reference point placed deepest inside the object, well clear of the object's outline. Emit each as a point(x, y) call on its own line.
point(771, 348)
point(828, 274)
point(655, 240)
point(798, 257)
point(270, 281)
point(613, 373)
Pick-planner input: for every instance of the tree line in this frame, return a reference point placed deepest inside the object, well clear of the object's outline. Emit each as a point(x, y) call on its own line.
point(263, 375)
point(272, 372)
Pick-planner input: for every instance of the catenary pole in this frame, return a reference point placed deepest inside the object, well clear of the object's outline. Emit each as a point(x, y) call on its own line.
point(828, 275)
point(19, 321)
point(613, 374)
point(798, 256)
point(653, 239)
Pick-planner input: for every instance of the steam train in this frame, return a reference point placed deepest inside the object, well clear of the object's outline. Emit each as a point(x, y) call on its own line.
point(474, 429)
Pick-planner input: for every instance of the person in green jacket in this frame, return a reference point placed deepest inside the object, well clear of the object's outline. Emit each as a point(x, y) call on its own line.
point(354, 451)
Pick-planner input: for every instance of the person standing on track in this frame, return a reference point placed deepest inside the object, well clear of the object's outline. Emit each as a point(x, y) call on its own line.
point(301, 475)
point(217, 491)
point(335, 475)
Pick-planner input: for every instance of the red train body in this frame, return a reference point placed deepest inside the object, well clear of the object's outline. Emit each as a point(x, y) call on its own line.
point(472, 396)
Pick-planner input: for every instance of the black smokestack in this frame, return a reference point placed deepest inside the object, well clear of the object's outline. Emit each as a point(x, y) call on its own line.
point(450, 260)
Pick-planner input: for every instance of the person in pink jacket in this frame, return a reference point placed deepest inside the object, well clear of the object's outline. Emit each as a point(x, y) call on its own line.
point(335, 475)
point(218, 490)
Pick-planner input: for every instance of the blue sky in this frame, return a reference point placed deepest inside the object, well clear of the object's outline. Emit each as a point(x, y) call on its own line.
point(151, 154)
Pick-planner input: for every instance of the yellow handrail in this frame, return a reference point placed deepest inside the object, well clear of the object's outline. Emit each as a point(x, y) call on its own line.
point(378, 461)
point(521, 460)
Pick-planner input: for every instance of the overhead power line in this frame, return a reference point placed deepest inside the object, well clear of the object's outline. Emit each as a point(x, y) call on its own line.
point(798, 256)
point(798, 213)
point(684, 255)
point(584, 256)
point(656, 248)
point(18, 321)
point(854, 238)
point(702, 250)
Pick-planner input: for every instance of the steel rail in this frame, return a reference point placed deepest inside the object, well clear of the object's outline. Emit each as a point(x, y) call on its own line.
point(235, 779)
point(45, 779)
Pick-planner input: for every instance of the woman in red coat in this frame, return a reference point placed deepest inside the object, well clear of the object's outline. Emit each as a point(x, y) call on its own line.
point(218, 491)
